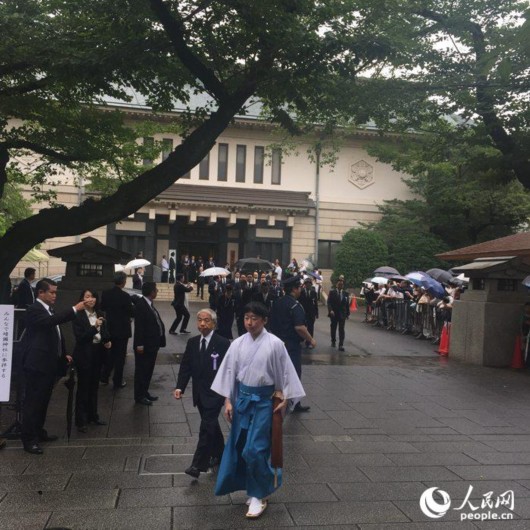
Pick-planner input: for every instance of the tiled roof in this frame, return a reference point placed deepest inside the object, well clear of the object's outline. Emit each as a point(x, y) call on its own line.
point(516, 245)
point(238, 197)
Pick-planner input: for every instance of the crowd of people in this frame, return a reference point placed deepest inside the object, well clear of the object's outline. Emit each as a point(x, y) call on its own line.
point(401, 306)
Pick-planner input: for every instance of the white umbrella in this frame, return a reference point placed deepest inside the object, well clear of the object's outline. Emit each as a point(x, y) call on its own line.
point(137, 263)
point(215, 271)
point(118, 267)
point(379, 280)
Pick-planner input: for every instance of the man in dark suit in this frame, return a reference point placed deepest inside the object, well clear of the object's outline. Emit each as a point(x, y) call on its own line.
point(309, 301)
point(214, 292)
point(24, 297)
point(149, 336)
point(119, 310)
point(172, 267)
point(43, 358)
point(138, 279)
point(201, 360)
point(339, 311)
point(179, 305)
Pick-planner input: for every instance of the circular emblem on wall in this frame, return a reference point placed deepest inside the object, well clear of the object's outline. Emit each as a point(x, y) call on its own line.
point(361, 174)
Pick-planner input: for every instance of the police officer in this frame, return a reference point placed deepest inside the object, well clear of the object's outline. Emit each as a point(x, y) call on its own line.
point(288, 324)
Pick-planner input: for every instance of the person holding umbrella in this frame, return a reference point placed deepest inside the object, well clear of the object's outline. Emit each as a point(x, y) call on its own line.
point(91, 340)
point(256, 368)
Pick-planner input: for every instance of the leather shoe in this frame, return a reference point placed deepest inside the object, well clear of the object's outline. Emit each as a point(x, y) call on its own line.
point(192, 471)
point(103, 382)
point(332, 343)
point(172, 332)
point(144, 401)
point(184, 332)
point(48, 438)
point(152, 398)
point(98, 422)
point(341, 348)
point(301, 408)
point(123, 384)
point(82, 428)
point(34, 449)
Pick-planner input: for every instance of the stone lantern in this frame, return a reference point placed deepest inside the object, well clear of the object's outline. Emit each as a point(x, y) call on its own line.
point(487, 318)
point(89, 265)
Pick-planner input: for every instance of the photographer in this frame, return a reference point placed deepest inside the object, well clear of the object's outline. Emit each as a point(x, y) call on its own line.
point(179, 305)
point(92, 340)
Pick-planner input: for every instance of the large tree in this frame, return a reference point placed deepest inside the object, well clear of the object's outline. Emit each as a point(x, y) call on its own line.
point(60, 60)
point(463, 58)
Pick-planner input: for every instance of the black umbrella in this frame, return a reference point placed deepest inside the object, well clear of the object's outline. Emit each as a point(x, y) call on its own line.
point(386, 271)
point(440, 275)
point(256, 263)
point(70, 385)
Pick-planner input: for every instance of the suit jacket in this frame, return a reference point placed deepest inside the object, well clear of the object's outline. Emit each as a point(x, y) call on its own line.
point(25, 294)
point(340, 305)
point(43, 350)
point(84, 335)
point(137, 281)
point(119, 310)
point(202, 370)
point(179, 291)
point(146, 330)
point(309, 302)
point(258, 297)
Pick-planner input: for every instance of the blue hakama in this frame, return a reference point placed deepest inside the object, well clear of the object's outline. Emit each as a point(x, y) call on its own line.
point(246, 459)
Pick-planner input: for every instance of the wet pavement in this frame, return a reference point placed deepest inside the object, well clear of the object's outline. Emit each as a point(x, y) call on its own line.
point(389, 419)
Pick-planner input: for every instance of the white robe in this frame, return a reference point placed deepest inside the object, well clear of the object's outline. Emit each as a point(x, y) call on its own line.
point(259, 362)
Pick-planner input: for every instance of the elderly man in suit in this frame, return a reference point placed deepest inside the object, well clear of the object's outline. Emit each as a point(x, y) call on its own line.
point(149, 337)
point(309, 301)
point(339, 311)
point(202, 358)
point(43, 357)
point(119, 310)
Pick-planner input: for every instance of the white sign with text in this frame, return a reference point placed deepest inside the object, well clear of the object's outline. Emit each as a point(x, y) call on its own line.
point(7, 316)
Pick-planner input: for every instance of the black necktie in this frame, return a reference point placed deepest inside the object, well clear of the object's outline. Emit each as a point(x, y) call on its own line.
point(158, 321)
point(203, 350)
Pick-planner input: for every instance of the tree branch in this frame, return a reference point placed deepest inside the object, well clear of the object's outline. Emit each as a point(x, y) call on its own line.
point(175, 32)
point(45, 151)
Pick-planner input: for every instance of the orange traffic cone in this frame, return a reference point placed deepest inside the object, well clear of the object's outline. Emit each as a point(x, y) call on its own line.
point(517, 359)
point(443, 350)
point(353, 305)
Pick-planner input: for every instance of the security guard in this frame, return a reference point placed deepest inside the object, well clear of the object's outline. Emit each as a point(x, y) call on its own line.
point(288, 324)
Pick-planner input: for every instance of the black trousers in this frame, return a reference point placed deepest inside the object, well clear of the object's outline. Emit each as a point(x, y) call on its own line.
point(310, 324)
point(295, 353)
point(164, 277)
point(211, 441)
point(144, 365)
point(182, 314)
point(115, 360)
point(86, 398)
point(333, 326)
point(38, 390)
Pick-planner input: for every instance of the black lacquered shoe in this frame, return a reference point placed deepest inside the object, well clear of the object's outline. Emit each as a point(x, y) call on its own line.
point(192, 471)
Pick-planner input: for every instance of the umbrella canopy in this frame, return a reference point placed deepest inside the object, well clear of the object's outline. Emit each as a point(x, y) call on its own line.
point(215, 271)
point(526, 281)
point(433, 287)
point(306, 266)
point(35, 255)
point(255, 263)
point(385, 271)
point(440, 275)
point(314, 275)
point(118, 268)
point(416, 277)
point(380, 280)
point(399, 278)
point(137, 263)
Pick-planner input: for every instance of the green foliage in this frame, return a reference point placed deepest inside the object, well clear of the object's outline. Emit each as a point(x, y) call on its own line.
point(13, 208)
point(465, 193)
point(360, 252)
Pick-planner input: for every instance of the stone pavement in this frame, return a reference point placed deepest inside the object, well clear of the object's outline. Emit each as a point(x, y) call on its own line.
point(389, 419)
